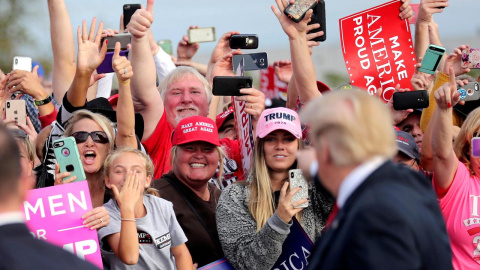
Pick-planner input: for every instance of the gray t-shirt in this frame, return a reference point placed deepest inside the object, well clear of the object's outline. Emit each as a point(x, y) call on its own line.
point(157, 232)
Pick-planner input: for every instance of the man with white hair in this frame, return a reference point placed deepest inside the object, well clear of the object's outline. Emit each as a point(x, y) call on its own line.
point(388, 216)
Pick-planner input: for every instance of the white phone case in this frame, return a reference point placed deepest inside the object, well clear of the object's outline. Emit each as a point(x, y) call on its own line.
point(297, 180)
point(22, 63)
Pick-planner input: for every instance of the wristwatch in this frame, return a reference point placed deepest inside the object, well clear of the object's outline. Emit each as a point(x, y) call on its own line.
point(43, 101)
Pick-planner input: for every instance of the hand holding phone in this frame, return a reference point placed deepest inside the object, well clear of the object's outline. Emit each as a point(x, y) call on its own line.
point(123, 38)
point(68, 158)
point(319, 16)
point(469, 92)
point(296, 11)
point(206, 34)
point(22, 63)
point(471, 58)
point(253, 61)
point(297, 180)
point(230, 85)
point(16, 110)
point(128, 11)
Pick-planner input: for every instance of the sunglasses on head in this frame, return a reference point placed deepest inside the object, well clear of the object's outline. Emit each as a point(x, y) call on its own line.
point(97, 136)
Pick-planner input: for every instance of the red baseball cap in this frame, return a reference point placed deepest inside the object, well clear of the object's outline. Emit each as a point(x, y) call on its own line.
point(222, 117)
point(194, 129)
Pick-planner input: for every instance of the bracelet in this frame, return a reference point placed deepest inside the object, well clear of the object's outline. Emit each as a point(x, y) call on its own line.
point(125, 82)
point(128, 219)
point(43, 102)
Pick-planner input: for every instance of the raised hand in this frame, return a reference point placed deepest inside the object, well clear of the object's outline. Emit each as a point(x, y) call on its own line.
point(90, 53)
point(447, 95)
point(398, 116)
point(255, 102)
point(121, 66)
point(292, 29)
point(406, 11)
point(429, 7)
point(141, 21)
point(454, 60)
point(185, 50)
point(283, 70)
point(420, 80)
point(26, 82)
point(311, 43)
point(222, 48)
point(224, 67)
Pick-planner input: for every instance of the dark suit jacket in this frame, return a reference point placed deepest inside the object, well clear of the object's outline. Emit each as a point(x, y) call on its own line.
point(391, 221)
point(19, 250)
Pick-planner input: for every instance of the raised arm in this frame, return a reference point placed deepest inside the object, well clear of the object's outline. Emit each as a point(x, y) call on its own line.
point(125, 112)
point(90, 56)
point(302, 64)
point(146, 98)
point(63, 48)
point(425, 16)
point(445, 163)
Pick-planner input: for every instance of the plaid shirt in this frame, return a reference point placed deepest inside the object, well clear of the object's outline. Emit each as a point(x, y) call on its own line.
point(32, 112)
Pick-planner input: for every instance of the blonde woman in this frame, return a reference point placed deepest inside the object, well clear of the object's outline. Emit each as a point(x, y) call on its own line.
point(254, 219)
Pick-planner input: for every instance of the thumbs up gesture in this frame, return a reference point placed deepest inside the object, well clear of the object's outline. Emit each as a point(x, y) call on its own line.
point(121, 65)
point(141, 21)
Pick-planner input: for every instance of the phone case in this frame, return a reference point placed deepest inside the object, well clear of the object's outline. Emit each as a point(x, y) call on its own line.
point(475, 147)
point(469, 92)
point(197, 35)
point(254, 61)
point(22, 63)
point(319, 16)
point(128, 11)
point(166, 45)
point(106, 65)
point(123, 38)
point(297, 180)
point(243, 41)
point(410, 100)
point(230, 86)
point(432, 59)
point(17, 110)
point(471, 58)
point(68, 158)
point(296, 11)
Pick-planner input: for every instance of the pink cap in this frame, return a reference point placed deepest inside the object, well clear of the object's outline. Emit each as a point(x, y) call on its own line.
point(196, 128)
point(279, 118)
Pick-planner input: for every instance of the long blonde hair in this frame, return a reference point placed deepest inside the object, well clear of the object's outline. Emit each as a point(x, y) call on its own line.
point(261, 203)
point(147, 162)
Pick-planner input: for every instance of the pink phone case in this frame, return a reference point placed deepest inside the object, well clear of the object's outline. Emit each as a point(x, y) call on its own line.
point(471, 58)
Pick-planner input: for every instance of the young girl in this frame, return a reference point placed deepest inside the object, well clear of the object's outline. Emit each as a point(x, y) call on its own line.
point(143, 230)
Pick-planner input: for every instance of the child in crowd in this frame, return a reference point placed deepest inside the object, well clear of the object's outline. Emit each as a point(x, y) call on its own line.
point(143, 230)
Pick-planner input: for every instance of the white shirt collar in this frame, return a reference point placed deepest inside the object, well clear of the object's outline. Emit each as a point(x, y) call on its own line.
point(356, 177)
point(11, 218)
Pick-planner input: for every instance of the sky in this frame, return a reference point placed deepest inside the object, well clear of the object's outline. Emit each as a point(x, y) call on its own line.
point(172, 19)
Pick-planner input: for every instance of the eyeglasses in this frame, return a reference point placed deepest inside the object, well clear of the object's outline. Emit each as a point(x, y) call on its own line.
point(97, 136)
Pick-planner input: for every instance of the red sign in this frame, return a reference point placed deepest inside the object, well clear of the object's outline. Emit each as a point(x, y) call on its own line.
point(271, 86)
point(377, 49)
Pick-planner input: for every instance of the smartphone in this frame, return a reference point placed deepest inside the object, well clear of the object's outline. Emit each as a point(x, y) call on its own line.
point(297, 10)
point(469, 92)
point(297, 180)
point(319, 16)
point(471, 58)
point(68, 158)
point(253, 61)
point(475, 147)
point(432, 59)
point(410, 100)
point(244, 41)
point(166, 45)
point(123, 38)
point(206, 34)
point(17, 110)
point(230, 85)
point(22, 63)
point(106, 65)
point(128, 11)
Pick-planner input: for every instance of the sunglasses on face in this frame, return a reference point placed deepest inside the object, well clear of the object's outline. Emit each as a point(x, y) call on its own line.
point(97, 136)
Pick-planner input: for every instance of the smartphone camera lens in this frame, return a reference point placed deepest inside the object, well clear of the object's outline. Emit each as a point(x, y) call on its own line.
point(291, 175)
point(70, 168)
point(65, 152)
point(8, 105)
point(470, 91)
point(16, 61)
point(476, 87)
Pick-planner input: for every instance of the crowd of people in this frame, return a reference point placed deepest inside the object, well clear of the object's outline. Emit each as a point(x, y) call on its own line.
point(387, 189)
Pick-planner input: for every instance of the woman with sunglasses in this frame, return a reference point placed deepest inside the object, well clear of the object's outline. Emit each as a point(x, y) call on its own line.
point(456, 170)
point(254, 218)
point(96, 139)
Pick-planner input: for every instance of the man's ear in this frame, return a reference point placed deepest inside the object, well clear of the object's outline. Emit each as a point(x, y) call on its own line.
point(25, 183)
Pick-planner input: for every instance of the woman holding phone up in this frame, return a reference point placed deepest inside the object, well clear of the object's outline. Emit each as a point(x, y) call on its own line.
point(254, 218)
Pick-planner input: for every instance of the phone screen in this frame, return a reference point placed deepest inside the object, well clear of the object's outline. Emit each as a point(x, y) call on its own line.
point(476, 147)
